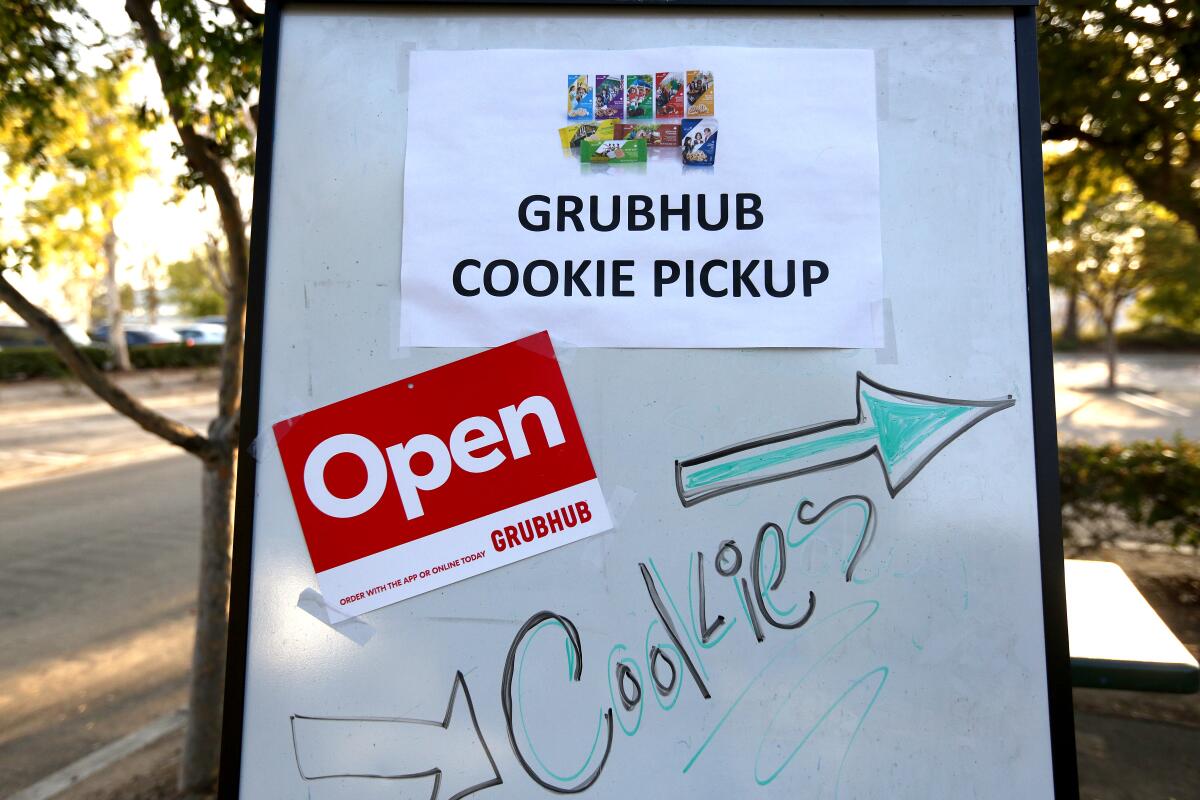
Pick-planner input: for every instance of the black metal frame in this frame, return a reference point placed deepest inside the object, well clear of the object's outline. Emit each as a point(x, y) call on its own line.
point(1054, 606)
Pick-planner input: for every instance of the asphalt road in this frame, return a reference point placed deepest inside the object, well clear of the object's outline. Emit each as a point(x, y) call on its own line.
point(98, 573)
point(98, 567)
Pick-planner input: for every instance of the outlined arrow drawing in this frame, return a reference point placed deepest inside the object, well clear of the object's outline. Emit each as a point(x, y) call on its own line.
point(398, 748)
point(903, 430)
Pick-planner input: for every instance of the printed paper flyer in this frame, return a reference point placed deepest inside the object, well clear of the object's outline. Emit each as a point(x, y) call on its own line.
point(674, 197)
point(421, 483)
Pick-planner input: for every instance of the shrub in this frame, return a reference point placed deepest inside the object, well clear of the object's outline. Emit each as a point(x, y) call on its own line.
point(1151, 484)
point(1147, 339)
point(1159, 338)
point(165, 356)
point(19, 363)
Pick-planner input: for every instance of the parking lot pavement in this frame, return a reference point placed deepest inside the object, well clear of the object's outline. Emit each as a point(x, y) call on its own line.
point(50, 428)
point(1158, 397)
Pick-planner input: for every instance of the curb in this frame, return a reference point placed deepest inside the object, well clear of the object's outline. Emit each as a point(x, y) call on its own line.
point(70, 775)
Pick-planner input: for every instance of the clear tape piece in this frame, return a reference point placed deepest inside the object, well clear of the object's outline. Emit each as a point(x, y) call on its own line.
point(888, 354)
point(263, 447)
point(882, 87)
point(399, 340)
point(356, 629)
point(620, 500)
point(563, 349)
point(271, 431)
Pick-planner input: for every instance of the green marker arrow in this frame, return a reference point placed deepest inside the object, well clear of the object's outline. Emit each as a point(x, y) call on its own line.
point(904, 430)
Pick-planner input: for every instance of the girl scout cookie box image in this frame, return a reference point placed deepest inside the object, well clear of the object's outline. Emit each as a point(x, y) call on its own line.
point(579, 97)
point(700, 91)
point(699, 142)
point(656, 134)
point(600, 104)
point(572, 135)
point(629, 151)
point(610, 97)
point(639, 97)
point(668, 95)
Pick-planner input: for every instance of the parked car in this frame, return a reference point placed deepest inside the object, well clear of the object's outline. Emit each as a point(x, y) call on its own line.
point(201, 333)
point(136, 333)
point(18, 335)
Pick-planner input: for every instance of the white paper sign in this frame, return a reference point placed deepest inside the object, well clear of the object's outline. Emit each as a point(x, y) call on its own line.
point(776, 244)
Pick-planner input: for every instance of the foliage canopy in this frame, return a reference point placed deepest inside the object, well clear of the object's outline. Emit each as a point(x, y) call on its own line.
point(195, 286)
point(1123, 78)
point(1106, 242)
point(82, 173)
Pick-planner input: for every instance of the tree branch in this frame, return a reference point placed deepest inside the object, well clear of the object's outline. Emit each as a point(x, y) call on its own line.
point(213, 270)
point(1065, 131)
point(1171, 189)
point(244, 12)
point(1159, 181)
point(121, 401)
point(205, 161)
point(1061, 130)
point(1096, 301)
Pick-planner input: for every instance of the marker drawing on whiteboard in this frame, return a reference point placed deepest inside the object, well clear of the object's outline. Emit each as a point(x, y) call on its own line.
point(706, 631)
point(817, 521)
point(675, 642)
point(656, 656)
point(399, 748)
point(575, 669)
point(660, 609)
point(772, 584)
point(843, 621)
point(667, 695)
point(903, 430)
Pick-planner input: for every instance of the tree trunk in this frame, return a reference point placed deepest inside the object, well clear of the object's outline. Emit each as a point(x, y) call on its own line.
point(1110, 350)
point(202, 742)
point(116, 327)
point(152, 299)
point(1070, 331)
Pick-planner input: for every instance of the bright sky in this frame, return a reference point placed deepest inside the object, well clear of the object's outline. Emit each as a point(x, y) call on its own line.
point(151, 225)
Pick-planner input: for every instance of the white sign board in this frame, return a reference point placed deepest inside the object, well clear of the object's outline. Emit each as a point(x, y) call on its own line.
point(827, 567)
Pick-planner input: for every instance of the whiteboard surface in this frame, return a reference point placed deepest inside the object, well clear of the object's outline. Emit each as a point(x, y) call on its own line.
point(936, 648)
